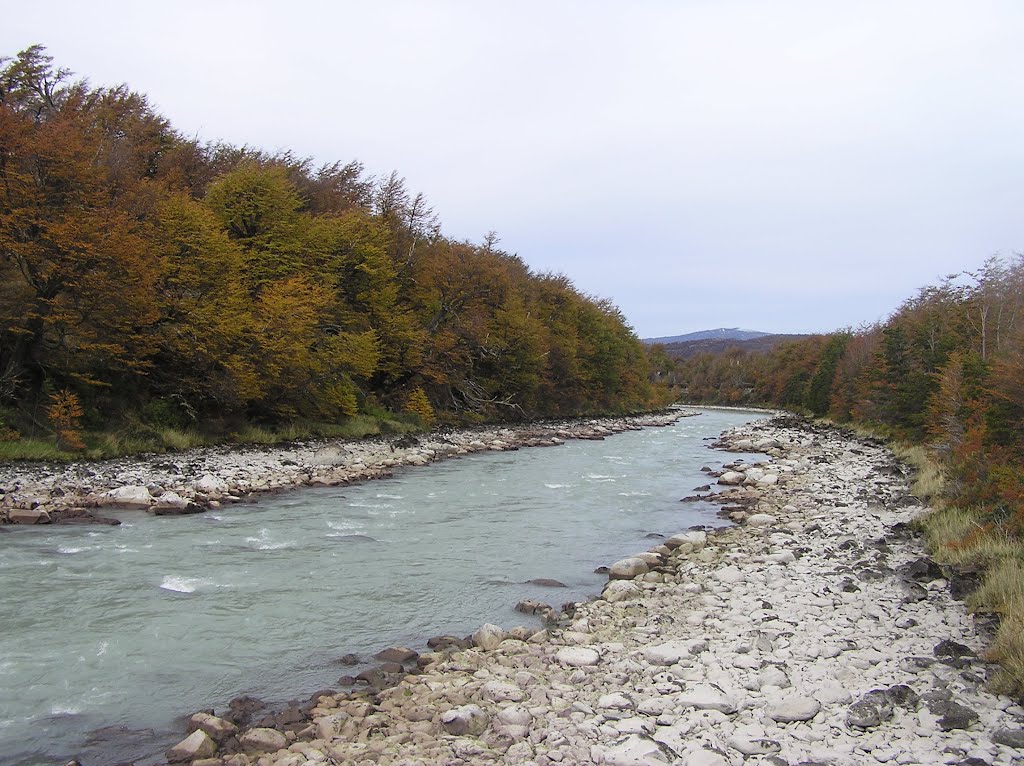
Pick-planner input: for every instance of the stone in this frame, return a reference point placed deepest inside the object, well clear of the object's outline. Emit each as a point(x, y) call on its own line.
point(628, 568)
point(196, 745)
point(466, 719)
point(1009, 737)
point(399, 654)
point(28, 516)
point(670, 652)
point(871, 710)
point(578, 656)
point(501, 691)
point(217, 728)
point(773, 676)
point(209, 484)
point(547, 582)
point(754, 746)
point(704, 697)
point(792, 709)
point(135, 496)
point(704, 757)
point(953, 715)
point(621, 590)
point(731, 478)
point(635, 750)
point(262, 740)
point(532, 606)
point(695, 540)
point(615, 701)
point(760, 520)
point(488, 637)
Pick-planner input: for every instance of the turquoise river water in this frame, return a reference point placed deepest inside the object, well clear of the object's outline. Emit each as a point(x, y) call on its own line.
point(109, 634)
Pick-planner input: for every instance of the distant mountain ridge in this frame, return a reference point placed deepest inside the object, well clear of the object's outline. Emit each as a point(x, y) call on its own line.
point(721, 333)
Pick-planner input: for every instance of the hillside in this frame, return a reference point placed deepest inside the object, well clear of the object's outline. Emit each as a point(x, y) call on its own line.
point(720, 333)
point(760, 342)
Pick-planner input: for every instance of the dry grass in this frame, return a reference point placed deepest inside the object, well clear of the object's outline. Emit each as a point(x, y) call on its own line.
point(929, 480)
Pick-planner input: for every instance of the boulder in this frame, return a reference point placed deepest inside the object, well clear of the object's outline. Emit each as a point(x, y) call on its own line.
point(216, 728)
point(546, 582)
point(398, 654)
point(28, 516)
point(704, 697)
point(502, 691)
point(621, 590)
point(488, 637)
point(211, 485)
point(578, 656)
point(695, 540)
point(760, 520)
point(196, 745)
point(635, 750)
point(135, 496)
point(532, 606)
point(261, 740)
point(731, 478)
point(670, 652)
point(628, 568)
point(467, 719)
point(793, 709)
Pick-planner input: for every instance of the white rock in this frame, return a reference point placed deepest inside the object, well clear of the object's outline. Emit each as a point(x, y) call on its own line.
point(705, 758)
point(729, 574)
point(211, 485)
point(127, 497)
point(694, 539)
point(760, 520)
point(793, 709)
point(670, 652)
point(621, 590)
point(635, 750)
point(501, 691)
point(578, 656)
point(731, 478)
point(705, 697)
point(615, 701)
point(488, 637)
point(628, 568)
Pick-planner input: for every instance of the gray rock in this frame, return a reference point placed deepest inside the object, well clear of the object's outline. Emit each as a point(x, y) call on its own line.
point(705, 697)
point(488, 637)
point(467, 719)
point(578, 656)
point(399, 654)
point(953, 715)
point(28, 516)
point(1009, 737)
point(871, 710)
point(217, 728)
point(635, 750)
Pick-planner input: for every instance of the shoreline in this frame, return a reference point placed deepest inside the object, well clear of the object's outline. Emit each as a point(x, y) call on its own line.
point(208, 477)
point(814, 631)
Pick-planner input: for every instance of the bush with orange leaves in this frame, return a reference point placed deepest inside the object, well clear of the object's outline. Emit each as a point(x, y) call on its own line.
point(65, 412)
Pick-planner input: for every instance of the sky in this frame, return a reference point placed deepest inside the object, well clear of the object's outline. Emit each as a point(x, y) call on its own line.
point(785, 166)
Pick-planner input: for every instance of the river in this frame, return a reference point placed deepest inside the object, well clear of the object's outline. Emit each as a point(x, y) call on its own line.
point(131, 627)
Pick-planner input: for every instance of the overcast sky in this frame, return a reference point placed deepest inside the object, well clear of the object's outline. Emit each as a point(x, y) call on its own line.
point(790, 166)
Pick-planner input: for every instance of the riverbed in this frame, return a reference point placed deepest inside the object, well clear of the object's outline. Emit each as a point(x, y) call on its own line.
point(131, 626)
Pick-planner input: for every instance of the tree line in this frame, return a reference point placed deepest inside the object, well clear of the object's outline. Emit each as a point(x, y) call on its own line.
point(945, 369)
point(151, 275)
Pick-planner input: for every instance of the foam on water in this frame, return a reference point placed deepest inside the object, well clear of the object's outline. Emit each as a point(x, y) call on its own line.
point(180, 584)
point(69, 549)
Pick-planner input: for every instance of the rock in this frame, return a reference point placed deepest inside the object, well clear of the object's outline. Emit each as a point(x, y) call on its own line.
point(627, 569)
point(547, 582)
point(398, 654)
point(731, 478)
point(703, 697)
point(635, 750)
point(1009, 737)
point(704, 757)
point(349, 660)
point(211, 485)
point(440, 643)
point(952, 649)
point(760, 520)
point(127, 497)
point(615, 701)
point(262, 740)
point(578, 656)
point(196, 745)
point(871, 710)
point(467, 719)
point(488, 637)
point(754, 746)
point(501, 691)
point(28, 516)
point(793, 709)
point(670, 652)
point(953, 715)
point(621, 590)
point(532, 606)
point(696, 540)
point(217, 728)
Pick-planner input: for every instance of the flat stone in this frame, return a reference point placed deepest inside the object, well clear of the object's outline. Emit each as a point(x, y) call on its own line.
point(578, 656)
point(615, 701)
point(262, 740)
point(635, 750)
point(793, 709)
point(704, 697)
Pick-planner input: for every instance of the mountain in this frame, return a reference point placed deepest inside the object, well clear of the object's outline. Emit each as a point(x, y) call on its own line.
point(722, 333)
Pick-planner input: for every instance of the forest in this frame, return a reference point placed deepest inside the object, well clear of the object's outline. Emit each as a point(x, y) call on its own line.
point(943, 374)
point(151, 283)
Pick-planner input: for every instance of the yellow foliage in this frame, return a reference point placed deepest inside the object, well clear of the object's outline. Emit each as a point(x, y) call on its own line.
point(417, 403)
point(65, 412)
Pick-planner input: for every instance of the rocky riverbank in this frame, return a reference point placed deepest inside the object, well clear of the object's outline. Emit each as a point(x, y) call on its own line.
point(193, 481)
point(813, 633)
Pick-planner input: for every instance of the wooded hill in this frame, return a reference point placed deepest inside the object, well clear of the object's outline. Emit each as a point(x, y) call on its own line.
point(148, 277)
point(947, 368)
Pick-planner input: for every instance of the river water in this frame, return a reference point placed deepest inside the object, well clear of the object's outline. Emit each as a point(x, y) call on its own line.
point(132, 626)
